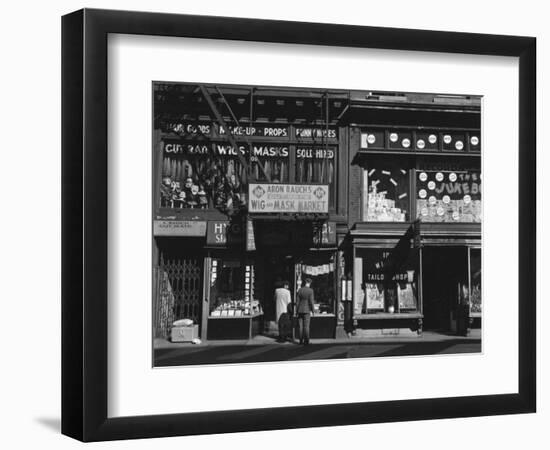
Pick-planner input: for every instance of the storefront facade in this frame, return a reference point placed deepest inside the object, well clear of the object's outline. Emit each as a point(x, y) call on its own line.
point(257, 186)
point(415, 237)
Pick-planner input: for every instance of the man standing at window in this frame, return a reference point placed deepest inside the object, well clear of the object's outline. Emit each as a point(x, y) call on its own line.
point(305, 309)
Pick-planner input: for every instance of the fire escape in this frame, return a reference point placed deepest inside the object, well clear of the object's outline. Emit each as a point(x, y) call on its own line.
point(317, 108)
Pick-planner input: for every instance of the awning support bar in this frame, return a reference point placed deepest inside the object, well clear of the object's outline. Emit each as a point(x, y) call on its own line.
point(230, 136)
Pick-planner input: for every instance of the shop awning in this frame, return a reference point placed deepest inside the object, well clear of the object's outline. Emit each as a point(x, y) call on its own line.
point(294, 234)
point(289, 217)
point(401, 252)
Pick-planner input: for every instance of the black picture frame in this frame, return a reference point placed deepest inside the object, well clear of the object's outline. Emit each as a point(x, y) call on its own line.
point(84, 224)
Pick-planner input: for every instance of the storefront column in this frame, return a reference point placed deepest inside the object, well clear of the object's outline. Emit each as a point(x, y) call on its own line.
point(205, 297)
point(358, 292)
point(156, 290)
point(420, 291)
point(340, 294)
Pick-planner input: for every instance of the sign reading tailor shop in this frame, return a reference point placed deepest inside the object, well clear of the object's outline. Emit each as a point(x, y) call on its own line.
point(287, 198)
point(377, 277)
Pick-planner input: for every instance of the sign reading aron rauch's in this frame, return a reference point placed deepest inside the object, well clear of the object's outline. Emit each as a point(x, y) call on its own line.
point(287, 198)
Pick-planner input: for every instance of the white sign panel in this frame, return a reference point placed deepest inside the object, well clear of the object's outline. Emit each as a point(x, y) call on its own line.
point(287, 198)
point(364, 140)
point(179, 228)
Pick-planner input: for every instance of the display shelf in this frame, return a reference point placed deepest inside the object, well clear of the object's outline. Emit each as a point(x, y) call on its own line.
point(374, 316)
point(236, 317)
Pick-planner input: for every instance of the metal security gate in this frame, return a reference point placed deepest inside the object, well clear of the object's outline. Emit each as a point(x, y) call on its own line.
point(179, 293)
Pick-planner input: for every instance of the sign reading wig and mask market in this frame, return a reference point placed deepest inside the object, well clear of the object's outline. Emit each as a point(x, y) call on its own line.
point(288, 198)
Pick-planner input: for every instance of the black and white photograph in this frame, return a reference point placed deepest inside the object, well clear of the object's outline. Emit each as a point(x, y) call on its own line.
point(298, 224)
point(264, 225)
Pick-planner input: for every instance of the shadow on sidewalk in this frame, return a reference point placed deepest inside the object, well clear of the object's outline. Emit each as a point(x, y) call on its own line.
point(232, 354)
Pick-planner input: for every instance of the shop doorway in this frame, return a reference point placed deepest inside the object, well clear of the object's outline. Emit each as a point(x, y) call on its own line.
point(179, 292)
point(277, 268)
point(178, 288)
point(294, 267)
point(444, 274)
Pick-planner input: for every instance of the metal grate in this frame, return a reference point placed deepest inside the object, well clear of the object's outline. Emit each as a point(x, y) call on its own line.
point(180, 283)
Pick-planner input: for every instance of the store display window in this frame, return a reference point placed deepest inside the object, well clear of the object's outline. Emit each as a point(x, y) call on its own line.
point(211, 175)
point(273, 159)
point(317, 164)
point(232, 289)
point(389, 282)
point(448, 195)
point(475, 280)
point(322, 272)
point(386, 193)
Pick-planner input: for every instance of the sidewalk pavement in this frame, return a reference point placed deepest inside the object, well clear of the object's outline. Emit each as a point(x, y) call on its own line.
point(265, 349)
point(426, 336)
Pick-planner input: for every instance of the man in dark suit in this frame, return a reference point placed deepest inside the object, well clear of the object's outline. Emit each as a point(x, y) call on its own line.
point(304, 309)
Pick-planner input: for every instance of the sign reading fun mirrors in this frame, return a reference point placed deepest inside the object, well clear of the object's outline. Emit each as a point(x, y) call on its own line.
point(287, 198)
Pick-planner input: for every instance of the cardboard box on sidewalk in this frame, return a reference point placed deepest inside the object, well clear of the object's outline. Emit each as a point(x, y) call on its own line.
point(184, 334)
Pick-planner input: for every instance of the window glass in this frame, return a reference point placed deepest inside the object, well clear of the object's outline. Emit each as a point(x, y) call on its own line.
point(201, 176)
point(232, 289)
point(389, 282)
point(448, 196)
point(317, 164)
point(273, 159)
point(321, 271)
point(206, 176)
point(386, 194)
point(475, 280)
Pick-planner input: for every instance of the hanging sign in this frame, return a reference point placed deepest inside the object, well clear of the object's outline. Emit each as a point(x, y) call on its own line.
point(250, 240)
point(287, 198)
point(179, 228)
point(222, 232)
